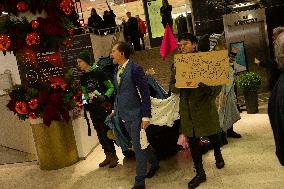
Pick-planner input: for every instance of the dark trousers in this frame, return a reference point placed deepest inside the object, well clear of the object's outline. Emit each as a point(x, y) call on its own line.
point(195, 148)
point(142, 156)
point(143, 42)
point(136, 43)
point(98, 117)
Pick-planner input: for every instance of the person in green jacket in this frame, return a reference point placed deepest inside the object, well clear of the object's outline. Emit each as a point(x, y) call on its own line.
point(199, 115)
point(98, 93)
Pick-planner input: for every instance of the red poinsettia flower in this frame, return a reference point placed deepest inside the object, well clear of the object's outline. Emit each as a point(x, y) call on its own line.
point(42, 97)
point(55, 100)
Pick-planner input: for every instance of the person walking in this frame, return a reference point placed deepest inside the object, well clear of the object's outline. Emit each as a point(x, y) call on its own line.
point(133, 107)
point(166, 14)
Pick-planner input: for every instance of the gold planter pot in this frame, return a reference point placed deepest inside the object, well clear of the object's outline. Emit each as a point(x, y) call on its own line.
point(55, 145)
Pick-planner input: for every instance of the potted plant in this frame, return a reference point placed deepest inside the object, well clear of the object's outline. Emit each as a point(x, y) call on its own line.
point(48, 108)
point(250, 82)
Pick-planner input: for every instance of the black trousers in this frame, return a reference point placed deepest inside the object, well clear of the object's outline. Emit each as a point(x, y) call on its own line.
point(98, 116)
point(196, 149)
point(136, 43)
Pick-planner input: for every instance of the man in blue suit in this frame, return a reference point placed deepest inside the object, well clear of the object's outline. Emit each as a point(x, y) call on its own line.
point(133, 106)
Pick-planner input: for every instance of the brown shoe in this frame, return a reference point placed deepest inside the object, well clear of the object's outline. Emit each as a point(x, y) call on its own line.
point(106, 161)
point(114, 161)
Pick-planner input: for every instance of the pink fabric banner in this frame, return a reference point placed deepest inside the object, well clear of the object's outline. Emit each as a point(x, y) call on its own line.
point(168, 43)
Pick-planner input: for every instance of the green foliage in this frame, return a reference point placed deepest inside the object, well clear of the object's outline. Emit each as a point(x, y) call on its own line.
point(249, 81)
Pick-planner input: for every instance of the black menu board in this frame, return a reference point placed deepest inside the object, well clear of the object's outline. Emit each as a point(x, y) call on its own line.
point(69, 55)
point(37, 66)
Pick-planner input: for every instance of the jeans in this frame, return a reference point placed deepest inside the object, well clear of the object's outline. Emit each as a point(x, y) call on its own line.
point(142, 156)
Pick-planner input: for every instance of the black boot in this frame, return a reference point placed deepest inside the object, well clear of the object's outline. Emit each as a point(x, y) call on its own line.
point(199, 177)
point(232, 134)
point(219, 158)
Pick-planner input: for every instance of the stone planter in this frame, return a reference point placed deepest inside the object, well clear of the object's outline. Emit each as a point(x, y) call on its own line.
point(55, 145)
point(251, 100)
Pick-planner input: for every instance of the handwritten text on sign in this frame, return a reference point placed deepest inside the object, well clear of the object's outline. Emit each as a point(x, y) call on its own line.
point(210, 68)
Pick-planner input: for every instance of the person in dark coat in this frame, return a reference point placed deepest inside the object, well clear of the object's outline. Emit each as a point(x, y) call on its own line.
point(132, 30)
point(95, 22)
point(98, 92)
point(276, 101)
point(198, 115)
point(166, 14)
point(109, 20)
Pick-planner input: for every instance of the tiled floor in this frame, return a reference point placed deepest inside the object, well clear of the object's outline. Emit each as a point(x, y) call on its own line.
point(250, 163)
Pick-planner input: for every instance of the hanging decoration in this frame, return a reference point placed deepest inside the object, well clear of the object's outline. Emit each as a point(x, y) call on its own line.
point(33, 39)
point(5, 42)
point(34, 24)
point(66, 7)
point(51, 30)
point(22, 6)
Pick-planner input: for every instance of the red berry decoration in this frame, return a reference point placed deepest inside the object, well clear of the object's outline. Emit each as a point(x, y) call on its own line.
point(66, 7)
point(32, 115)
point(22, 6)
point(33, 38)
point(5, 42)
point(33, 103)
point(35, 24)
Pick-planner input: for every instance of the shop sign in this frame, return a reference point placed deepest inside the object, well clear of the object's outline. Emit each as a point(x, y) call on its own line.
point(246, 21)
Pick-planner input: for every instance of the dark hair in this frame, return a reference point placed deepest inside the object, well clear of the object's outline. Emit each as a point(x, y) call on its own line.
point(124, 48)
point(188, 37)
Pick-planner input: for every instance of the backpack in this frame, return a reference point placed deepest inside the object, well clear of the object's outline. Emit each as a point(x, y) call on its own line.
point(106, 67)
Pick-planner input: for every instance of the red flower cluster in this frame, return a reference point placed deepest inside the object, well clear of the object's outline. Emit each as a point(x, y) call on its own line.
point(53, 103)
point(52, 31)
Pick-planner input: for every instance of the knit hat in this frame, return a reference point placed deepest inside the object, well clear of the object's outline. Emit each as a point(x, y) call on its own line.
point(216, 39)
point(86, 56)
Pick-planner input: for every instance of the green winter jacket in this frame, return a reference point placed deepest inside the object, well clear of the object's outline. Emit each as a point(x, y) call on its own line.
point(198, 111)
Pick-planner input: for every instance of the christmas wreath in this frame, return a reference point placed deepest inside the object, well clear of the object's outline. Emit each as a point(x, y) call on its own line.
point(52, 101)
point(52, 30)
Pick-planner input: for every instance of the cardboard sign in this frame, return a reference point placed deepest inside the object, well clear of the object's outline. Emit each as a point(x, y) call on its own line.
point(210, 68)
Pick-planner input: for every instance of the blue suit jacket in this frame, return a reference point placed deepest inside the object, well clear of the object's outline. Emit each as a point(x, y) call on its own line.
point(129, 103)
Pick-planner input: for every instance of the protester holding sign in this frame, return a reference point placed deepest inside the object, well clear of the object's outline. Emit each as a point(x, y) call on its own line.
point(199, 116)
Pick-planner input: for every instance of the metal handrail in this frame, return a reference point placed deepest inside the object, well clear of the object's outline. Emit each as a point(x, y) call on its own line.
point(86, 29)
